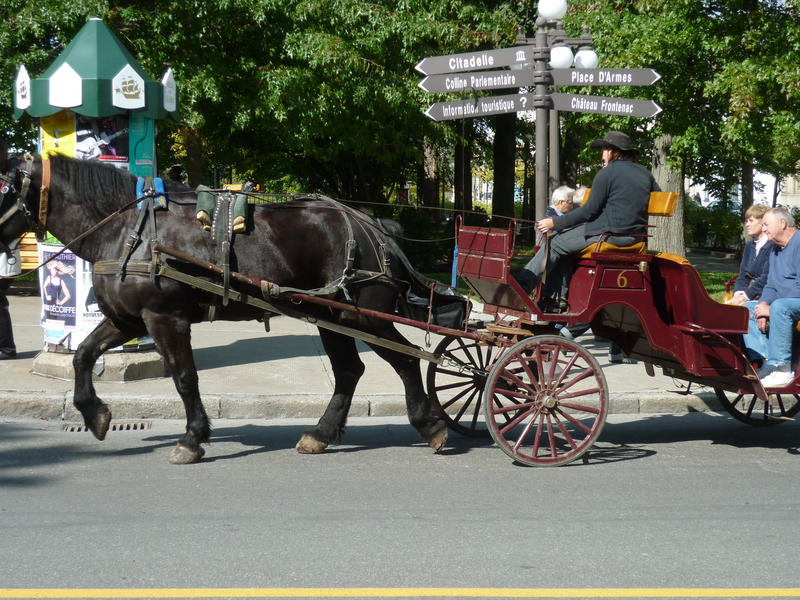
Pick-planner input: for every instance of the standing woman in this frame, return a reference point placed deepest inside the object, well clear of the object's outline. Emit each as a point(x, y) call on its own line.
point(755, 260)
point(10, 265)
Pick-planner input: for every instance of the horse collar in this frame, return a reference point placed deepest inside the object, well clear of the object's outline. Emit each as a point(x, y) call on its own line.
point(44, 199)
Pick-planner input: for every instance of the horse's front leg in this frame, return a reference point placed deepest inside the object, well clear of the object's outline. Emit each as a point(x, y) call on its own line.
point(172, 337)
point(96, 414)
point(423, 414)
point(347, 370)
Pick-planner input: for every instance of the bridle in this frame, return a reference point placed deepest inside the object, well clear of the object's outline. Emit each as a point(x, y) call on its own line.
point(8, 189)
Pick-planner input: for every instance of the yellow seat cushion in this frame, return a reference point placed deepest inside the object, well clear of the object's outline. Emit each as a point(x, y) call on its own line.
point(637, 248)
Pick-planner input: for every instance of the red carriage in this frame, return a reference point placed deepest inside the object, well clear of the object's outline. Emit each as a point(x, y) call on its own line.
point(543, 397)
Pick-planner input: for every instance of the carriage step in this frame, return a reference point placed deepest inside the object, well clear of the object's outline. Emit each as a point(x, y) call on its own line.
point(506, 330)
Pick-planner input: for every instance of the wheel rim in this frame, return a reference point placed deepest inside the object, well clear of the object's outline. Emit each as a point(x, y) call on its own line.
point(546, 401)
point(457, 384)
point(748, 408)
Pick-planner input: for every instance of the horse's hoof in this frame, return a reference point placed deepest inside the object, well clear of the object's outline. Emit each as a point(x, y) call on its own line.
point(438, 440)
point(99, 423)
point(310, 445)
point(183, 455)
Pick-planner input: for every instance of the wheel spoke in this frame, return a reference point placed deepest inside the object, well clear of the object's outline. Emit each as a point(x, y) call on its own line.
point(574, 421)
point(551, 437)
point(516, 421)
point(450, 386)
point(465, 348)
point(455, 398)
point(524, 434)
point(512, 408)
point(580, 407)
point(565, 432)
point(538, 442)
point(466, 405)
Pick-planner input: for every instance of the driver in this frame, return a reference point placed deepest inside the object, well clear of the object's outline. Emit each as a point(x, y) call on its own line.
point(615, 211)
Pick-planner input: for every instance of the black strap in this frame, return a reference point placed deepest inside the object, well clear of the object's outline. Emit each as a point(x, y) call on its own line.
point(135, 236)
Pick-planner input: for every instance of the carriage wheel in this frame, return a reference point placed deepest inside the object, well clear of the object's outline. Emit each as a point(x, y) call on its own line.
point(747, 408)
point(457, 384)
point(546, 401)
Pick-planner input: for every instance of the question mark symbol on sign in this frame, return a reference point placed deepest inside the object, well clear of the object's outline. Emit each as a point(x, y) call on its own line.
point(524, 101)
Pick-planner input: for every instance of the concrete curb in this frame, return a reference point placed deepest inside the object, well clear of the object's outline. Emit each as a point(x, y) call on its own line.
point(58, 406)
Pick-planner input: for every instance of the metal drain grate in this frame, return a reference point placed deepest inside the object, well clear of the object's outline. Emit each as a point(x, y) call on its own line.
point(123, 426)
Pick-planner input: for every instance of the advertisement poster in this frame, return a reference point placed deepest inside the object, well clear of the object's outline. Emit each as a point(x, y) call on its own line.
point(58, 134)
point(69, 306)
point(58, 291)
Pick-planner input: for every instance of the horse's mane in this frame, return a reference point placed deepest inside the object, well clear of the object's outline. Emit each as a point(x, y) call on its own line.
point(108, 187)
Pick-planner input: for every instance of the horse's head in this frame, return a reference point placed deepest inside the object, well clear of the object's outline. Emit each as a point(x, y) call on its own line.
point(16, 211)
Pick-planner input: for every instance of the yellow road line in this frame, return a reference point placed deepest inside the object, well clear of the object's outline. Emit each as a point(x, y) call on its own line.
point(408, 592)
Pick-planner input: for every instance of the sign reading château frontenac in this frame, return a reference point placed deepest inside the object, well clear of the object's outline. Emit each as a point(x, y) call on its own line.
point(606, 106)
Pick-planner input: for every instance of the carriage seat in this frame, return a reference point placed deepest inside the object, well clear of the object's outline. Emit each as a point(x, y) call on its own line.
point(662, 204)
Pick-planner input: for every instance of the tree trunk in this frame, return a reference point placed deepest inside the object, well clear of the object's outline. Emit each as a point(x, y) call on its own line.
point(747, 185)
point(428, 193)
point(504, 153)
point(668, 231)
point(462, 174)
point(194, 156)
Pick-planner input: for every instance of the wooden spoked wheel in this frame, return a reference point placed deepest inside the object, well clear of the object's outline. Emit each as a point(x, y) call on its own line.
point(546, 401)
point(748, 408)
point(457, 384)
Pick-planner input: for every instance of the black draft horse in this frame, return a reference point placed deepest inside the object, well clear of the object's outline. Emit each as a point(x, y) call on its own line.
point(300, 244)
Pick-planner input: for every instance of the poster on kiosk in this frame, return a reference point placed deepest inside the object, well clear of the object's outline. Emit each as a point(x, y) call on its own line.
point(69, 307)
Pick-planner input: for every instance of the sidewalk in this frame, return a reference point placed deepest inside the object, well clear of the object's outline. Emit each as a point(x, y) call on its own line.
point(247, 373)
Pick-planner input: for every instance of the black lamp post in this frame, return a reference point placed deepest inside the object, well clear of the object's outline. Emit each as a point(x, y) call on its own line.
point(552, 50)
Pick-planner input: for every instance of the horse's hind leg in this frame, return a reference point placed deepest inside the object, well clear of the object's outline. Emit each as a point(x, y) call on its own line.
point(172, 336)
point(96, 414)
point(423, 414)
point(347, 370)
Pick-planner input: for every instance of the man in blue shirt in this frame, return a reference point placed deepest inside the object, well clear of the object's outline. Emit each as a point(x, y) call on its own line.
point(779, 303)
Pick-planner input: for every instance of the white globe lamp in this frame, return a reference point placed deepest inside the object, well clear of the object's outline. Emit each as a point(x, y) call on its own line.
point(560, 57)
point(552, 10)
point(586, 58)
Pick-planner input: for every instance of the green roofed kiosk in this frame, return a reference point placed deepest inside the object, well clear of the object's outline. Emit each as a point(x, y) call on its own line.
point(94, 102)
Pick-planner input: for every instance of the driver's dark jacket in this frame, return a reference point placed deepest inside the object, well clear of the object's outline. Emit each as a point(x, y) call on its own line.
point(617, 202)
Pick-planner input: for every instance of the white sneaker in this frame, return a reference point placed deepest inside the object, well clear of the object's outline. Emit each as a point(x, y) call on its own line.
point(778, 379)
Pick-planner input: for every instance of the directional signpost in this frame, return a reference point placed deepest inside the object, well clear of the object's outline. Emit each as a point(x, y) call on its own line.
point(476, 61)
point(625, 107)
point(604, 76)
point(482, 70)
point(479, 107)
point(481, 80)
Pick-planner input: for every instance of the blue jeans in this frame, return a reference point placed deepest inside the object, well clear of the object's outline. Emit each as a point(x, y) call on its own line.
point(776, 347)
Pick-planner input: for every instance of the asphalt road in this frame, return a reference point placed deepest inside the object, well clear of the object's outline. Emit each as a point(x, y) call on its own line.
point(693, 500)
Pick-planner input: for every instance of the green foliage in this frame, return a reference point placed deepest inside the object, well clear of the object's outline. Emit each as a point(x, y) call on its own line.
point(718, 227)
point(730, 87)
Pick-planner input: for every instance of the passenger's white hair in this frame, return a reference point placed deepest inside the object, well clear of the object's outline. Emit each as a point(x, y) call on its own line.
point(562, 194)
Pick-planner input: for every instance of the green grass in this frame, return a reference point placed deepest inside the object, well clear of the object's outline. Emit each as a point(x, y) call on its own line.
point(715, 283)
